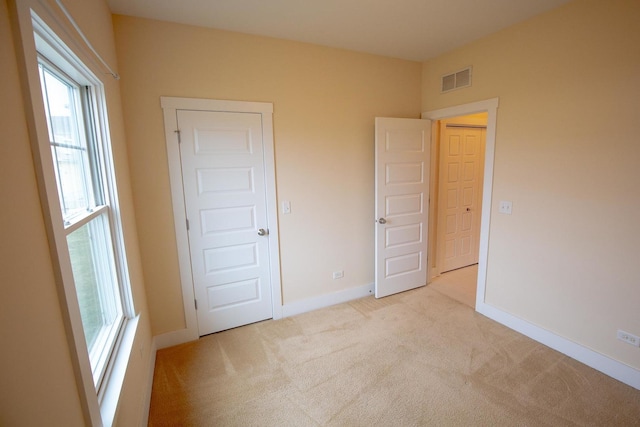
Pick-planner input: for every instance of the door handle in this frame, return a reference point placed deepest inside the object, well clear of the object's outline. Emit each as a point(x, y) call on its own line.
point(262, 232)
point(382, 221)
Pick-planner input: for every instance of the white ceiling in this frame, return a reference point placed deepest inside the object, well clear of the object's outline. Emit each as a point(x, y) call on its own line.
point(409, 29)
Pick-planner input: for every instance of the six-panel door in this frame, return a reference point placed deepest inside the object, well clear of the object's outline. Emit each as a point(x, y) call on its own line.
point(461, 157)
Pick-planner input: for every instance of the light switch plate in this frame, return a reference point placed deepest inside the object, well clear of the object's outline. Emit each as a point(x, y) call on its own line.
point(286, 207)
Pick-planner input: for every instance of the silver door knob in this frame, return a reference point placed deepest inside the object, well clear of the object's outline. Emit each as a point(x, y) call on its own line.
point(382, 221)
point(262, 232)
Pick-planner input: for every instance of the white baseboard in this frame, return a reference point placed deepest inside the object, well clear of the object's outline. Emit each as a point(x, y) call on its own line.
point(608, 366)
point(147, 397)
point(310, 304)
point(172, 338)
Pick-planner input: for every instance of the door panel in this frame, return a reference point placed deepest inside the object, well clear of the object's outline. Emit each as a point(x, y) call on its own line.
point(461, 157)
point(402, 196)
point(225, 198)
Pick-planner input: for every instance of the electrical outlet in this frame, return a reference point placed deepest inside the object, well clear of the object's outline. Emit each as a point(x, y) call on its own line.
point(628, 338)
point(338, 274)
point(505, 207)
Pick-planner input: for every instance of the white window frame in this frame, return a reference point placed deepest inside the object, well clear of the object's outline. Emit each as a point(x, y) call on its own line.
point(87, 113)
point(41, 30)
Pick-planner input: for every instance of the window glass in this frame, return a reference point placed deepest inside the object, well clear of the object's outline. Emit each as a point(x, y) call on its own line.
point(93, 273)
point(68, 144)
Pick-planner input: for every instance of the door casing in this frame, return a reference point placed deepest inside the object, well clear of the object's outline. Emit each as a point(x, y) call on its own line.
point(170, 106)
point(490, 106)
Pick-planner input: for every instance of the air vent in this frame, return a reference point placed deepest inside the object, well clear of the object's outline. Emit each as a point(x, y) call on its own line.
point(456, 80)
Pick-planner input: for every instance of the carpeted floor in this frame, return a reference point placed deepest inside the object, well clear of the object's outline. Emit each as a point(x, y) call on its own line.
point(418, 358)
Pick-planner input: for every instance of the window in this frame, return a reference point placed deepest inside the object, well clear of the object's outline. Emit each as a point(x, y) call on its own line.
point(84, 201)
point(69, 132)
point(88, 224)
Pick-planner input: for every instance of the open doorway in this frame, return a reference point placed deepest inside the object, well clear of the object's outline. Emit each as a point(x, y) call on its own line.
point(458, 260)
point(459, 144)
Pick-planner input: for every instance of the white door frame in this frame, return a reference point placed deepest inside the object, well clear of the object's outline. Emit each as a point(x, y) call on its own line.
point(490, 106)
point(170, 105)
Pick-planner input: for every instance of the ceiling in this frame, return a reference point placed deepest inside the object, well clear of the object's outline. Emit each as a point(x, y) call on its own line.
point(409, 29)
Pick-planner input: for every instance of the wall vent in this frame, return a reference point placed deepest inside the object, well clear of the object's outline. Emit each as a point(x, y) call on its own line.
point(457, 80)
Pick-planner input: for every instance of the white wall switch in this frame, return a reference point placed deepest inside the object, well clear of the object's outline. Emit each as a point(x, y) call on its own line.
point(286, 207)
point(505, 207)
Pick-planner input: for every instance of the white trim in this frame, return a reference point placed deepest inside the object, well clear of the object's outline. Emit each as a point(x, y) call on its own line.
point(110, 399)
point(589, 357)
point(200, 104)
point(327, 300)
point(180, 219)
point(146, 403)
point(181, 336)
point(170, 106)
point(490, 106)
point(272, 212)
point(463, 110)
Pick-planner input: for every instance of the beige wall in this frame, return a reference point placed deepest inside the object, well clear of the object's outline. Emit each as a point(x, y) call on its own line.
point(567, 155)
point(36, 371)
point(325, 101)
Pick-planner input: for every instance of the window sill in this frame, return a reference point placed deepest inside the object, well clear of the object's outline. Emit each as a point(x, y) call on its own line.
point(115, 381)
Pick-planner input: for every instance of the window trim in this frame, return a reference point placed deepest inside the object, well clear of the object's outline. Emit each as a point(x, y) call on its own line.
point(28, 18)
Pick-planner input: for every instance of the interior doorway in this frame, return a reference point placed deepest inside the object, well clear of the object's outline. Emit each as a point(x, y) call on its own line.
point(489, 121)
point(459, 144)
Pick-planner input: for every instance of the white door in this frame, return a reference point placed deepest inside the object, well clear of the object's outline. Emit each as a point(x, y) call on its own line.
point(461, 160)
point(402, 204)
point(223, 179)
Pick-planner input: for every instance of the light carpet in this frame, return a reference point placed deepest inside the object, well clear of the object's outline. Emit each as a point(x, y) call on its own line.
point(414, 359)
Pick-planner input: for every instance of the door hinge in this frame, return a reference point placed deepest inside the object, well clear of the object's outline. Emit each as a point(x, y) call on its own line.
point(187, 224)
point(195, 302)
point(178, 132)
